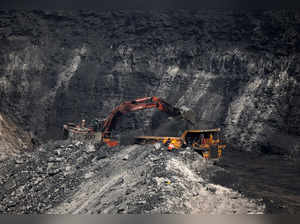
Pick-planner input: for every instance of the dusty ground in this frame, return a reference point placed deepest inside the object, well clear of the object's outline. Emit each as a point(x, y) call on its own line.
point(275, 178)
point(75, 178)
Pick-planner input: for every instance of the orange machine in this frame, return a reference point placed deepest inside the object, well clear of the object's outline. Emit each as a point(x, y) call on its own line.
point(138, 104)
point(127, 106)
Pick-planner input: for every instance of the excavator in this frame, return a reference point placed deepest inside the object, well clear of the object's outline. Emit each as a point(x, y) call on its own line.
point(130, 106)
point(200, 140)
point(105, 125)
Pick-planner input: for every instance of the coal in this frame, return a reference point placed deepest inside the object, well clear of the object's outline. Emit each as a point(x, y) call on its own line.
point(128, 179)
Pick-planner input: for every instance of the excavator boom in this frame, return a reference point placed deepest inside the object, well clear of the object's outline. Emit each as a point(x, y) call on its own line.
point(135, 105)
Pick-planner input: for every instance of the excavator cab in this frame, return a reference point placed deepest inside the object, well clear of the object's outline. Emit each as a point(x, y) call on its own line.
point(97, 125)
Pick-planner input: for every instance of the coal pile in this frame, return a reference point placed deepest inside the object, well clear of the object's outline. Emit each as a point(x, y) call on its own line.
point(33, 183)
point(65, 177)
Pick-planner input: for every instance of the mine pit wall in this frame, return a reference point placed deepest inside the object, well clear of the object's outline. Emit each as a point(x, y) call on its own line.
point(237, 71)
point(13, 140)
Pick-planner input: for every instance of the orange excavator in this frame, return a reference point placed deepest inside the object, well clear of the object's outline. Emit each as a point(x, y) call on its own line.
point(129, 106)
point(105, 125)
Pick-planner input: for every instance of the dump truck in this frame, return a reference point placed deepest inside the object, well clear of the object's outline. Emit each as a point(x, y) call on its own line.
point(200, 140)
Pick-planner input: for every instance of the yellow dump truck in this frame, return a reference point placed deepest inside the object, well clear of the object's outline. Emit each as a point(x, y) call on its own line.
point(200, 140)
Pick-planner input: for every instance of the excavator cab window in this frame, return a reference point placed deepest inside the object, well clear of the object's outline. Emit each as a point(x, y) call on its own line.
point(97, 125)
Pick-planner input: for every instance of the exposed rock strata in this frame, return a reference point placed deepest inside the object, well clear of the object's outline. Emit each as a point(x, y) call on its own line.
point(13, 139)
point(237, 70)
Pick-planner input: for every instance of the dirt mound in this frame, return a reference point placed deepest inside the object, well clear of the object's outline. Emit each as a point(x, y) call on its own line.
point(66, 177)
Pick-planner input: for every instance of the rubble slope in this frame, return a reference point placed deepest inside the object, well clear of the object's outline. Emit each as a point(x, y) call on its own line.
point(75, 178)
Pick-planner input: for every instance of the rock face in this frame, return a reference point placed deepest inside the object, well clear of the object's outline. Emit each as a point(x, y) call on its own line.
point(63, 178)
point(239, 71)
point(13, 139)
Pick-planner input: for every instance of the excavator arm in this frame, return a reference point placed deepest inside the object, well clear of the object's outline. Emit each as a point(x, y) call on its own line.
point(105, 125)
point(129, 106)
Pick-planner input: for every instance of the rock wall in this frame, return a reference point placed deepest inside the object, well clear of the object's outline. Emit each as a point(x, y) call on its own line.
point(239, 71)
point(13, 139)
